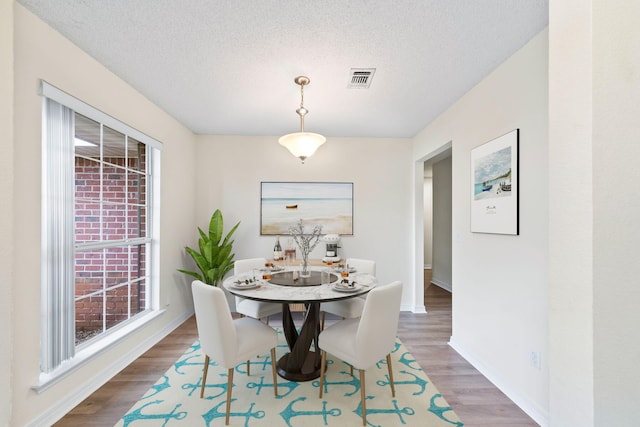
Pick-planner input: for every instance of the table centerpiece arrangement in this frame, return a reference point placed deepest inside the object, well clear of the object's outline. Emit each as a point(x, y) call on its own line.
point(306, 243)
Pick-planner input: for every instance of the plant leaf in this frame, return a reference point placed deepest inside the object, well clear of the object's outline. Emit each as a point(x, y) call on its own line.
point(215, 227)
point(228, 236)
point(200, 260)
point(192, 273)
point(203, 236)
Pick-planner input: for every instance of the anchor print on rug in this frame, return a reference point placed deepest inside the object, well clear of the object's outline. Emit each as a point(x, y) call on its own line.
point(290, 386)
point(409, 363)
point(137, 414)
point(288, 413)
point(440, 410)
point(193, 387)
point(372, 412)
point(353, 381)
point(214, 413)
point(421, 383)
point(262, 365)
point(383, 362)
point(157, 388)
point(187, 362)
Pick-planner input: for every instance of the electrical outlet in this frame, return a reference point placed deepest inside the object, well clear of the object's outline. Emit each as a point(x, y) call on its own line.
point(534, 359)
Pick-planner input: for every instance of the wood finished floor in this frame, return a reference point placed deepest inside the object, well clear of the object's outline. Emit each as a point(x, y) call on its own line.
point(476, 401)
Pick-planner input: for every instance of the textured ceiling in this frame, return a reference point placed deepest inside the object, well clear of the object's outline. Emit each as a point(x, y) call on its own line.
point(227, 67)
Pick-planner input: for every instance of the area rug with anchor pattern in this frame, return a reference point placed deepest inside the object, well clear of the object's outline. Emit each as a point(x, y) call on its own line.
point(175, 398)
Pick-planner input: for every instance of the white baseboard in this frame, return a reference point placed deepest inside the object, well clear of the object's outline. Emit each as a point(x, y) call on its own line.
point(58, 411)
point(441, 284)
point(413, 308)
point(427, 266)
point(530, 408)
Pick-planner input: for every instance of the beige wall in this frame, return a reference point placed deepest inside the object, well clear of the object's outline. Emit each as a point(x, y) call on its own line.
point(428, 220)
point(571, 215)
point(230, 170)
point(594, 67)
point(6, 207)
point(616, 151)
point(500, 282)
point(41, 53)
point(442, 223)
point(616, 137)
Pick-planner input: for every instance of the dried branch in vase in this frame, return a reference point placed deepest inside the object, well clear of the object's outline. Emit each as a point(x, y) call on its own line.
point(306, 242)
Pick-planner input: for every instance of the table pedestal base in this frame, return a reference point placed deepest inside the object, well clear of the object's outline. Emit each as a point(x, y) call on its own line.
point(301, 363)
point(307, 372)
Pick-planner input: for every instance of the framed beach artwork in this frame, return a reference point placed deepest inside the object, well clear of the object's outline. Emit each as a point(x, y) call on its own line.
point(494, 186)
point(329, 204)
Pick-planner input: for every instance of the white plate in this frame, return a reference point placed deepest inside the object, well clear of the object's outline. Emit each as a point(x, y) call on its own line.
point(362, 278)
point(243, 285)
point(342, 288)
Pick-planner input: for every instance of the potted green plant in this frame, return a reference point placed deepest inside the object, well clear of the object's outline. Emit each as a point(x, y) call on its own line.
point(214, 257)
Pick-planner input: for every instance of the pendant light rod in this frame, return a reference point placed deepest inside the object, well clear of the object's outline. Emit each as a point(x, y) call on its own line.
point(302, 81)
point(302, 144)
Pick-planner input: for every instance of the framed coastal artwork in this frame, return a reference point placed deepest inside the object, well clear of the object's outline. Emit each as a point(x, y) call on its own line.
point(329, 204)
point(494, 186)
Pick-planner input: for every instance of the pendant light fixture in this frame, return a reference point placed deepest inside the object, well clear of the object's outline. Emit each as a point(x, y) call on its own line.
point(302, 144)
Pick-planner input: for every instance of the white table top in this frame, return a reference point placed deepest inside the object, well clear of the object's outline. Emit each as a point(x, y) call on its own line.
point(266, 291)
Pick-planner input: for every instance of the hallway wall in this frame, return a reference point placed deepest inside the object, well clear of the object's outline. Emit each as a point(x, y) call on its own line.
point(501, 281)
point(442, 215)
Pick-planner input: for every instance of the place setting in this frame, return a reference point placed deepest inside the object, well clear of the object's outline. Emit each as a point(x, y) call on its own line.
point(349, 280)
point(346, 285)
point(250, 281)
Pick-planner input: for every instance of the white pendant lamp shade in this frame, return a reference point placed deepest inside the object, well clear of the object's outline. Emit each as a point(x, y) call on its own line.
point(302, 144)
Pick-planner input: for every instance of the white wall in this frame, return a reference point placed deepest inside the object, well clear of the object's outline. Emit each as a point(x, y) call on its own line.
point(6, 207)
point(571, 389)
point(41, 53)
point(442, 214)
point(616, 151)
point(500, 299)
point(594, 66)
point(230, 170)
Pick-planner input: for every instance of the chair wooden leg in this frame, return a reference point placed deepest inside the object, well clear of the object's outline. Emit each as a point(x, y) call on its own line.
point(351, 369)
point(204, 375)
point(363, 397)
point(229, 388)
point(324, 314)
point(267, 320)
point(323, 363)
point(273, 371)
point(248, 368)
point(393, 389)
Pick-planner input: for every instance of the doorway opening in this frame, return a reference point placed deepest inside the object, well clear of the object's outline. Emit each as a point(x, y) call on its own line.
point(433, 221)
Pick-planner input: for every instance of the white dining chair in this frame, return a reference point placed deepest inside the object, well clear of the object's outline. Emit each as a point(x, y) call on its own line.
point(227, 341)
point(351, 307)
point(248, 307)
point(364, 341)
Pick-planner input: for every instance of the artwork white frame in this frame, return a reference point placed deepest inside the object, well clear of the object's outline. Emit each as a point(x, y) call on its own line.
point(494, 186)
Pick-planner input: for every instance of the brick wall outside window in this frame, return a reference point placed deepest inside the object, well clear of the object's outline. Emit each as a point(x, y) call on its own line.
point(99, 269)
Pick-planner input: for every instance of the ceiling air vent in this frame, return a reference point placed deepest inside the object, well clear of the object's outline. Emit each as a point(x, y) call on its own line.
point(360, 78)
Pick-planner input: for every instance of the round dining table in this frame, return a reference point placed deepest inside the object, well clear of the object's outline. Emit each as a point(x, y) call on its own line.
point(302, 363)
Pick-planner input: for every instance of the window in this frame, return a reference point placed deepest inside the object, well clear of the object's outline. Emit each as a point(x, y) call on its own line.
point(111, 235)
point(99, 239)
